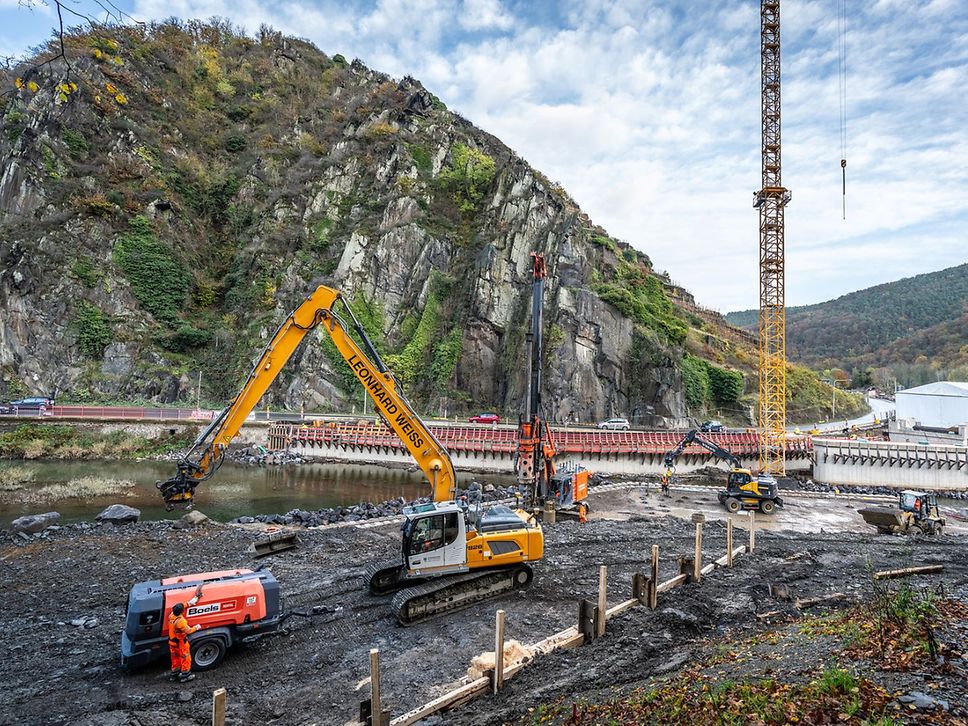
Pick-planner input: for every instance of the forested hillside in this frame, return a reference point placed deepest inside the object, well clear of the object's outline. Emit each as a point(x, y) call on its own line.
point(916, 327)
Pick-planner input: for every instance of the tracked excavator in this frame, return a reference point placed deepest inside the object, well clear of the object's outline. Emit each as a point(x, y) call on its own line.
point(455, 552)
point(743, 490)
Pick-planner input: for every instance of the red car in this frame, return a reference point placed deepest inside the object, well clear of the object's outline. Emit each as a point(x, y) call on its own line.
point(489, 418)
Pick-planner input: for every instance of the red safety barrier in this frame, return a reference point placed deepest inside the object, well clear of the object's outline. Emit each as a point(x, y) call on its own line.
point(481, 438)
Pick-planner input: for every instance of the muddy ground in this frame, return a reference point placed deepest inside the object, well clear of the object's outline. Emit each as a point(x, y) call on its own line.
point(316, 671)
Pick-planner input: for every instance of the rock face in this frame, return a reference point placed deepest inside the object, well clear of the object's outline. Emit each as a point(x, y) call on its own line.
point(33, 523)
point(119, 514)
point(147, 239)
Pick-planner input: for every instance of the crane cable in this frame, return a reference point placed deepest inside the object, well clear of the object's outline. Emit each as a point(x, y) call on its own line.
point(842, 67)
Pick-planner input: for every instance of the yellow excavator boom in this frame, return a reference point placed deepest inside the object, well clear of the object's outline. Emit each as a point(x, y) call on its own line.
point(317, 310)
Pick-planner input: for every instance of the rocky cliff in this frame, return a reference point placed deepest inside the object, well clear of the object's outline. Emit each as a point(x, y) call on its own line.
point(169, 193)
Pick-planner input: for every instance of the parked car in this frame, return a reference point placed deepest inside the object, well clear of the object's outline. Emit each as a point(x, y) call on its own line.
point(487, 418)
point(615, 424)
point(33, 403)
point(712, 427)
point(6, 409)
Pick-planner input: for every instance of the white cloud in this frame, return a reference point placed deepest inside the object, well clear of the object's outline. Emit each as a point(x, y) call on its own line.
point(485, 15)
point(648, 113)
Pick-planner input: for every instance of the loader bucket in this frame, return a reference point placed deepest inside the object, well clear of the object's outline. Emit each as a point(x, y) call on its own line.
point(883, 517)
point(274, 542)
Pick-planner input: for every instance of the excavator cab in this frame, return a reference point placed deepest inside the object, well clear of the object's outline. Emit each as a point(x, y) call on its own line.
point(434, 536)
point(741, 480)
point(921, 504)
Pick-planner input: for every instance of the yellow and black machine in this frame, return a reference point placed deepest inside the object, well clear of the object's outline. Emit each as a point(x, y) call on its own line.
point(916, 513)
point(743, 490)
point(455, 552)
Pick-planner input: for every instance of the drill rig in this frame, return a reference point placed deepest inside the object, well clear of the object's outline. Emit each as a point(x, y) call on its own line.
point(538, 475)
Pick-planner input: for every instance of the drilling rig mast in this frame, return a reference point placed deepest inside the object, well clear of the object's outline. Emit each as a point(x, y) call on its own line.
point(771, 201)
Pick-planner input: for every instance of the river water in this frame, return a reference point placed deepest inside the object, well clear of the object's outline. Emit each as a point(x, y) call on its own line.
point(234, 491)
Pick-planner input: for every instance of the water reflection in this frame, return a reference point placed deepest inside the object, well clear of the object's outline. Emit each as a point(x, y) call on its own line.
point(235, 490)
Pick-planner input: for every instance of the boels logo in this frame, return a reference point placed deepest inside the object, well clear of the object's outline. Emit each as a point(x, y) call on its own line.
point(204, 609)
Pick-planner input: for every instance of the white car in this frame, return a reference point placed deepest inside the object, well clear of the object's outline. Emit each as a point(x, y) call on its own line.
point(615, 424)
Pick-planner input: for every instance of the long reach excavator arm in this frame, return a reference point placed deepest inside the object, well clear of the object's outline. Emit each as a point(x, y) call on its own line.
point(694, 437)
point(318, 310)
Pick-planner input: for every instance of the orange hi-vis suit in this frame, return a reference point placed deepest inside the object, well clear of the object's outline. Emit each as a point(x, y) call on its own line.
point(178, 632)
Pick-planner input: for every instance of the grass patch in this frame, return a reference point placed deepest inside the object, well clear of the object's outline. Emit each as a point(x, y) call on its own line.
point(158, 279)
point(13, 478)
point(88, 487)
point(692, 697)
point(59, 441)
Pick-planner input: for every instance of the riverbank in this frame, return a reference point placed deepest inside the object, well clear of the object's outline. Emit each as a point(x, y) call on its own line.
point(315, 671)
point(85, 442)
point(238, 489)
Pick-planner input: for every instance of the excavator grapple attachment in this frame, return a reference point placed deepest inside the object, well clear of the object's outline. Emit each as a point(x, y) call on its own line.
point(179, 491)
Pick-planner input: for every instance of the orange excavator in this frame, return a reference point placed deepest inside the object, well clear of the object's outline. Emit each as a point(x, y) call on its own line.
point(455, 552)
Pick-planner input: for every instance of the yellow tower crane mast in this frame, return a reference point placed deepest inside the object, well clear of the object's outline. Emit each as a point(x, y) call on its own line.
point(771, 200)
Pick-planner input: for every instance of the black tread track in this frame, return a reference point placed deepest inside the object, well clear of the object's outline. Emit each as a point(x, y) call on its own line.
point(438, 590)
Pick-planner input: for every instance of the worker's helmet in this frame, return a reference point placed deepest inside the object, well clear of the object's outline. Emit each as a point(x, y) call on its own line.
point(178, 608)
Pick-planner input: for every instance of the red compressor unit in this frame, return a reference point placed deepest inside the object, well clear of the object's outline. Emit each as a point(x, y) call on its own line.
point(234, 606)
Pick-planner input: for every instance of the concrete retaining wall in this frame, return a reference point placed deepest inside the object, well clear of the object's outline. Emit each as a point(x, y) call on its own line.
point(890, 464)
point(503, 463)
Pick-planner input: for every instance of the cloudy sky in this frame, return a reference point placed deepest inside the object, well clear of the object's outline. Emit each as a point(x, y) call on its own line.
point(648, 114)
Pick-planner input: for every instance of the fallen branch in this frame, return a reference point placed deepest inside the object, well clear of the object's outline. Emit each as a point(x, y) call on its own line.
point(772, 613)
point(925, 570)
point(809, 602)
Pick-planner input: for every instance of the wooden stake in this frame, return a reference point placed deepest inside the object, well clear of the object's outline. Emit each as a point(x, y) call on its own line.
point(698, 518)
point(926, 570)
point(752, 545)
point(729, 541)
point(376, 708)
point(641, 586)
point(654, 578)
point(218, 707)
point(602, 600)
point(586, 620)
point(499, 651)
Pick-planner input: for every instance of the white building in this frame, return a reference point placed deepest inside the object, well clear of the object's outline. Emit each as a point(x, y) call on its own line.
point(942, 404)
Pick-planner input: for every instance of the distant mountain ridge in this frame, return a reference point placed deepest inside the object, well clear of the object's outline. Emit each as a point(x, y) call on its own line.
point(916, 320)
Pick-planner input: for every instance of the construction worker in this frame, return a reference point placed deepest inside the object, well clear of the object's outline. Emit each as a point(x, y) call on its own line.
point(666, 478)
point(178, 632)
point(582, 512)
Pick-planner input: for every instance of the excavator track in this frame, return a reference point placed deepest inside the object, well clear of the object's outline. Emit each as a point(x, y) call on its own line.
point(382, 578)
point(423, 602)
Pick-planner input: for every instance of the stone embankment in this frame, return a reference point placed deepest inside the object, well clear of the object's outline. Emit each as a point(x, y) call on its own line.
point(365, 510)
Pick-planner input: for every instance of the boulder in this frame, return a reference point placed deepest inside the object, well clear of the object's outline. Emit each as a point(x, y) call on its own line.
point(194, 518)
point(119, 514)
point(34, 522)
